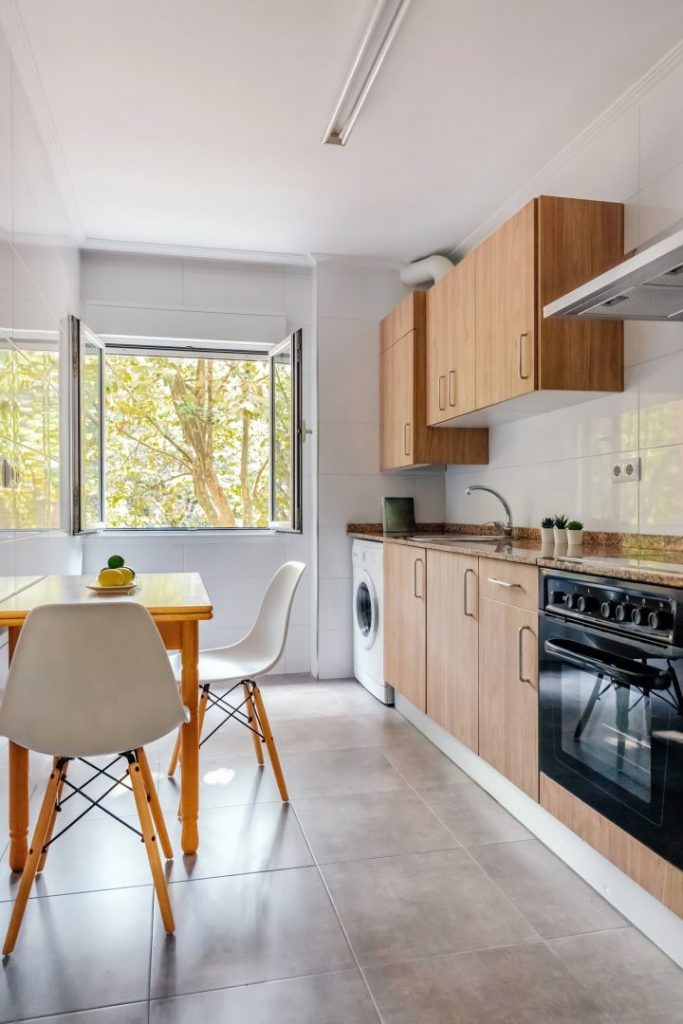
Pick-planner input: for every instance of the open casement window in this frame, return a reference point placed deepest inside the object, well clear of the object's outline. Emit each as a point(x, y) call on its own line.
point(286, 435)
point(87, 428)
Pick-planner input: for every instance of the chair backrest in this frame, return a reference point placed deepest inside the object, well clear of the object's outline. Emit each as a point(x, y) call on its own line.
point(89, 679)
point(266, 639)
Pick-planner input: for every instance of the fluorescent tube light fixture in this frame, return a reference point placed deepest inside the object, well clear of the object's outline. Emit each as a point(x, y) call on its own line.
point(382, 28)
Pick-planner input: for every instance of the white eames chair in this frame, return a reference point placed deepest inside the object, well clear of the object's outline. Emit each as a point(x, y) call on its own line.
point(241, 663)
point(86, 681)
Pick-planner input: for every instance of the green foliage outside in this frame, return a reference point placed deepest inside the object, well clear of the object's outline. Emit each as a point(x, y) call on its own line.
point(187, 442)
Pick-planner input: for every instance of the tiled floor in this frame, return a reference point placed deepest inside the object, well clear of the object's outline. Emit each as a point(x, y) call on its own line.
point(391, 890)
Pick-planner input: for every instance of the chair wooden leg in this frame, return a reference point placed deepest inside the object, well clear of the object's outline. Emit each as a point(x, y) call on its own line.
point(253, 723)
point(175, 756)
point(154, 805)
point(150, 841)
point(53, 817)
point(270, 742)
point(33, 859)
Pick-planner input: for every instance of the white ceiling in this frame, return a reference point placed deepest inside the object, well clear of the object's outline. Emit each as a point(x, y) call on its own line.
point(199, 122)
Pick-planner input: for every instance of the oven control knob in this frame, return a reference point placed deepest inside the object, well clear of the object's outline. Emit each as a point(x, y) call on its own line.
point(660, 619)
point(623, 612)
point(586, 603)
point(559, 596)
point(607, 609)
point(639, 616)
point(571, 601)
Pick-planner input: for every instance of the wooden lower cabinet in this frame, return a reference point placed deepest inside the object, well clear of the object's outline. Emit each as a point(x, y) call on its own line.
point(405, 621)
point(508, 692)
point(453, 644)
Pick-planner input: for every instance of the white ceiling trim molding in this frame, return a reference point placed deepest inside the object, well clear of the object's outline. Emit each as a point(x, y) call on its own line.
point(534, 186)
point(20, 48)
point(196, 252)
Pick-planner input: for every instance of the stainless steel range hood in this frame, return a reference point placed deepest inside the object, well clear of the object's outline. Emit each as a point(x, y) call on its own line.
point(646, 286)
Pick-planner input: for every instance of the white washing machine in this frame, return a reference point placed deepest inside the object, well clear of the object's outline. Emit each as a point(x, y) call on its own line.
point(367, 619)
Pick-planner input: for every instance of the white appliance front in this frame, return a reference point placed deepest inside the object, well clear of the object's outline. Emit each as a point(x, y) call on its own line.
point(368, 614)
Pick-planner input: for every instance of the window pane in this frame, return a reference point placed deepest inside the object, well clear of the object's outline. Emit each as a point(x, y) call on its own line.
point(91, 435)
point(285, 499)
point(187, 441)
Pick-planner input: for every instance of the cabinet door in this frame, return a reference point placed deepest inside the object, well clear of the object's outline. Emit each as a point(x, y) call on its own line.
point(506, 310)
point(508, 692)
point(453, 645)
point(397, 403)
point(450, 344)
point(405, 621)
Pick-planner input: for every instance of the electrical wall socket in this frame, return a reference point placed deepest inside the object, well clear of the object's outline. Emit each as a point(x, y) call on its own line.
point(626, 472)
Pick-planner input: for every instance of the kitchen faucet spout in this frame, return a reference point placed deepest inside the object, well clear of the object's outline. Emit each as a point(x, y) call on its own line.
point(505, 529)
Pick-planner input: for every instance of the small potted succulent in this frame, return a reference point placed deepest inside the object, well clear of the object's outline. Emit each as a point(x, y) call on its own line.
point(575, 533)
point(547, 534)
point(560, 529)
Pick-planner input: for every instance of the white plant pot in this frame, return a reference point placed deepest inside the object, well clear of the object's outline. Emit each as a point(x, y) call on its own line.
point(560, 536)
point(574, 538)
point(547, 535)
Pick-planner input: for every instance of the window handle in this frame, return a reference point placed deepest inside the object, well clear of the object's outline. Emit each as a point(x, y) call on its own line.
point(451, 388)
point(523, 376)
point(520, 654)
point(471, 615)
point(442, 392)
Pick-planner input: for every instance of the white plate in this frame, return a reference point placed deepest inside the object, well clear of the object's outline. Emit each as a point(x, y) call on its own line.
point(125, 589)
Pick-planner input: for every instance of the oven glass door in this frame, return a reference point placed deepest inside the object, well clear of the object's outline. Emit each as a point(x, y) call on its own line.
point(611, 729)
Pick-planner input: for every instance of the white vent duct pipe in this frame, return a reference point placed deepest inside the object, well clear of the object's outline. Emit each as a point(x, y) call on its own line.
point(425, 271)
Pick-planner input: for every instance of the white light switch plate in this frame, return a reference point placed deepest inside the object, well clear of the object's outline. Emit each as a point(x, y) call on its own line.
point(626, 472)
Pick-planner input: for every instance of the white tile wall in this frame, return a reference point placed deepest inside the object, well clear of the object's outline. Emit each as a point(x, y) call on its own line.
point(169, 297)
point(560, 462)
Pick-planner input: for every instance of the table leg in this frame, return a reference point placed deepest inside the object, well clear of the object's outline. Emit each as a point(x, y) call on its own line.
point(18, 788)
point(189, 779)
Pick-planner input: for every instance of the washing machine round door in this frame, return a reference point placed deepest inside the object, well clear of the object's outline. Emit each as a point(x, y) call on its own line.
point(366, 610)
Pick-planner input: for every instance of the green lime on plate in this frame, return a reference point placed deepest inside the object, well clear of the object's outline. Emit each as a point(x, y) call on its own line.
point(116, 561)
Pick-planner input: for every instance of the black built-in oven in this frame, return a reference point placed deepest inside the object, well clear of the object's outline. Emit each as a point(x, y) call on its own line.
point(611, 702)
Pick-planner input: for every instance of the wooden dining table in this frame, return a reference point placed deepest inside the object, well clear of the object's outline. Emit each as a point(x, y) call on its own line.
point(177, 602)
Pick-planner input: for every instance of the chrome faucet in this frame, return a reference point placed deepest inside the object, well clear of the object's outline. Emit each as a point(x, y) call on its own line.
point(504, 529)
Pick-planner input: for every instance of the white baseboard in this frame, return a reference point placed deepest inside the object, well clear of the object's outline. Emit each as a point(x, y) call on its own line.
point(651, 917)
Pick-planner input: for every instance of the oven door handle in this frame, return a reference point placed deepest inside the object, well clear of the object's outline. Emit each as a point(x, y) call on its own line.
point(628, 673)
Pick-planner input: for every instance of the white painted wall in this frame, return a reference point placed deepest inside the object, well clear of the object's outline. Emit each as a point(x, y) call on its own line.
point(224, 301)
point(39, 286)
point(560, 462)
point(353, 296)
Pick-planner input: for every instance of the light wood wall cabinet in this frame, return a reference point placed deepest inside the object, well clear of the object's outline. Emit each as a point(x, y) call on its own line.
point(451, 344)
point(453, 644)
point(405, 621)
point(405, 438)
point(486, 332)
point(508, 671)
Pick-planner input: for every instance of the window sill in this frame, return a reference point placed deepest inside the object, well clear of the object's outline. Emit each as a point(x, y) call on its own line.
point(213, 536)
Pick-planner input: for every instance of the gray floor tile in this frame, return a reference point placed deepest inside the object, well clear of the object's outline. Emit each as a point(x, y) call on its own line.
point(370, 825)
point(333, 732)
point(516, 985)
point(131, 1013)
point(245, 929)
point(77, 952)
point(551, 897)
point(472, 815)
point(251, 837)
point(337, 998)
point(339, 773)
point(438, 902)
point(225, 781)
point(421, 763)
point(626, 974)
point(313, 699)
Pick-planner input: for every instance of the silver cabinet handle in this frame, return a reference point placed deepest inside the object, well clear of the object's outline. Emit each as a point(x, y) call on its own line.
point(451, 388)
point(520, 654)
point(420, 595)
point(442, 392)
point(406, 443)
point(523, 376)
point(464, 593)
point(504, 583)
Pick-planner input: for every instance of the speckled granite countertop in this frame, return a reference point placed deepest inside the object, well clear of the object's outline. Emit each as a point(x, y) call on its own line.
point(636, 557)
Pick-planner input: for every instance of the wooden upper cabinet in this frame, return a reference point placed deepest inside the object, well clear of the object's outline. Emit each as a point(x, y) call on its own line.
point(405, 438)
point(506, 310)
point(451, 344)
point(405, 620)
